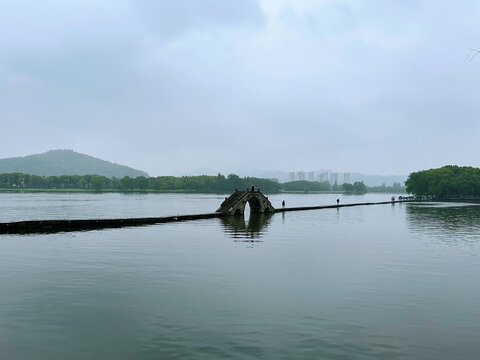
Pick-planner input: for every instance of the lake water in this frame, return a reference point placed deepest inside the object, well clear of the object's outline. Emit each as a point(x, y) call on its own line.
point(371, 282)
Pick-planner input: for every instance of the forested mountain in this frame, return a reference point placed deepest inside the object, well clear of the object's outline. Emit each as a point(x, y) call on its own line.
point(66, 162)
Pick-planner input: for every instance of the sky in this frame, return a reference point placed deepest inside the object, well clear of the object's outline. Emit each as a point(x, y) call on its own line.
point(184, 87)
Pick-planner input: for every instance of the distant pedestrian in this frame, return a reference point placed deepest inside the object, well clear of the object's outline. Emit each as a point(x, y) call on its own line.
point(338, 201)
point(283, 204)
point(253, 187)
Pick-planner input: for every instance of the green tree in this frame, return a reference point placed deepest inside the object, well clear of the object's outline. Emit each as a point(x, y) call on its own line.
point(445, 182)
point(348, 188)
point(359, 187)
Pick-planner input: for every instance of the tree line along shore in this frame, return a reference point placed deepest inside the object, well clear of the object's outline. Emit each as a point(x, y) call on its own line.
point(20, 182)
point(447, 182)
point(450, 181)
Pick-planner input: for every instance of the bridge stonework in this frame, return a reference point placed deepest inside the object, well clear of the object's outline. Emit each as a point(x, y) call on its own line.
point(235, 203)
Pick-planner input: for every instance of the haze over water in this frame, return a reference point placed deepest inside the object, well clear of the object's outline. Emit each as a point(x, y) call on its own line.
point(388, 281)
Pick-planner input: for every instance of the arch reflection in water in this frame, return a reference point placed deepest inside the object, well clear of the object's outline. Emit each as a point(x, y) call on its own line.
point(448, 221)
point(236, 227)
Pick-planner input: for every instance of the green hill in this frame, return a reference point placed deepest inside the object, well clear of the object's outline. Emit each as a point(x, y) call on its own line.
point(66, 162)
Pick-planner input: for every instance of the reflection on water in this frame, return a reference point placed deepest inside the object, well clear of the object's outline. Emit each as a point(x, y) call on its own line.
point(373, 282)
point(445, 220)
point(236, 227)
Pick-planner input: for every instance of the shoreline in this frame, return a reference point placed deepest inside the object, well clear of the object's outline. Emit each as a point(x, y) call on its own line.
point(177, 191)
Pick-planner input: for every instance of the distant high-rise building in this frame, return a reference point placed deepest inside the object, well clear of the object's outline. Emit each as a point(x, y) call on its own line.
point(333, 178)
point(300, 175)
point(346, 178)
point(324, 177)
point(291, 176)
point(311, 176)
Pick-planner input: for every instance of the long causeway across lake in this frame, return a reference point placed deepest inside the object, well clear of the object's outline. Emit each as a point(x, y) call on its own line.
point(232, 206)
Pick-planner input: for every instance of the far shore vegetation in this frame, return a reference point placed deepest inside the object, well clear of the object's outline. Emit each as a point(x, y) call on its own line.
point(446, 182)
point(19, 182)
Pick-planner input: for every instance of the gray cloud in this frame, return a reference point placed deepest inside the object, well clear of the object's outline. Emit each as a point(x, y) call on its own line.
point(170, 19)
point(170, 87)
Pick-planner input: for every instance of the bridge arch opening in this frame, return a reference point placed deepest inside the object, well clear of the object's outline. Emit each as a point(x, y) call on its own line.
point(247, 210)
point(254, 205)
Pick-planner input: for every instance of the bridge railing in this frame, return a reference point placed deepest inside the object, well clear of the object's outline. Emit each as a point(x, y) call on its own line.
point(231, 200)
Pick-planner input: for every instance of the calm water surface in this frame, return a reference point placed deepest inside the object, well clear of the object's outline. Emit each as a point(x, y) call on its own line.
point(386, 281)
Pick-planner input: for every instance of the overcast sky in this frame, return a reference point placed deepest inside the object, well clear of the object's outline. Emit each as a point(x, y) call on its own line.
point(175, 87)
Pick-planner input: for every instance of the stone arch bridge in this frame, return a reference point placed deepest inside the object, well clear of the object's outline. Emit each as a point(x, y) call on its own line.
point(235, 203)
